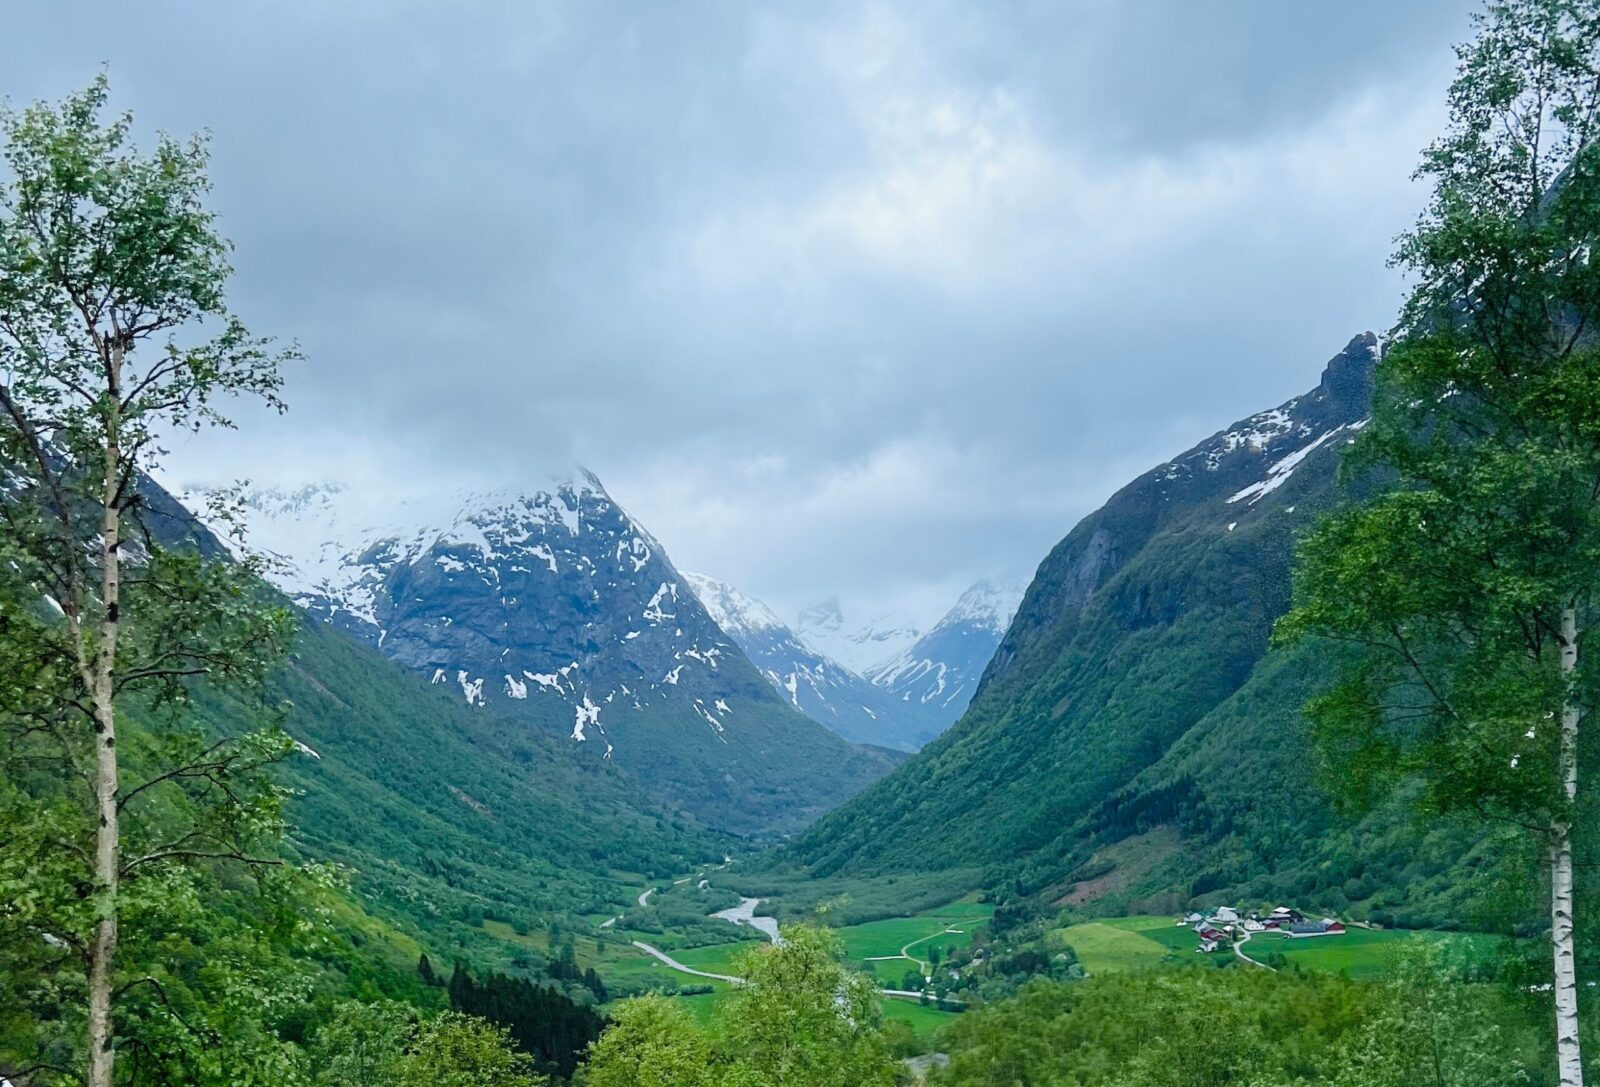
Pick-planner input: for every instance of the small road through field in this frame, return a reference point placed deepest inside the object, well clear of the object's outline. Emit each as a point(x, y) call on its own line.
point(1238, 949)
point(905, 952)
point(656, 952)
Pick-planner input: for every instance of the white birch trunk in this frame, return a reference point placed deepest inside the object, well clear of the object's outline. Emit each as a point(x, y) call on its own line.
point(107, 845)
point(1569, 1064)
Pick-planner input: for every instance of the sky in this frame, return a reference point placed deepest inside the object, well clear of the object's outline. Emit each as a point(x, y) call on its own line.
point(865, 299)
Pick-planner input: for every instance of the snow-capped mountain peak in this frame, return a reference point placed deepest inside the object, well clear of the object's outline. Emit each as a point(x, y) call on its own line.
point(857, 646)
point(936, 677)
point(737, 614)
point(988, 604)
point(514, 596)
point(904, 699)
point(813, 683)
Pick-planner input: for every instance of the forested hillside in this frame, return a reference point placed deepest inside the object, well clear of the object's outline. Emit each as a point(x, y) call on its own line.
point(446, 814)
point(1132, 736)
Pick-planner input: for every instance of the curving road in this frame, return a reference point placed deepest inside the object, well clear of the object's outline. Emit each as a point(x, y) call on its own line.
point(905, 952)
point(1238, 949)
point(668, 960)
point(656, 952)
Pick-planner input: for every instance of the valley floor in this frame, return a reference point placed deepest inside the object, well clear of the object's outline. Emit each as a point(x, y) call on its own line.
point(1115, 944)
point(669, 943)
point(684, 937)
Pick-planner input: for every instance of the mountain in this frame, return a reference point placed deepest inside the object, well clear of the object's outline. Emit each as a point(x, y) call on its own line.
point(446, 814)
point(822, 689)
point(901, 702)
point(856, 645)
point(930, 684)
point(442, 814)
point(557, 609)
point(1132, 741)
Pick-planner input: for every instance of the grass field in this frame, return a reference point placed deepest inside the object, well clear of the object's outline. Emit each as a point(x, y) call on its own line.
point(925, 930)
point(1104, 947)
point(1364, 953)
point(1135, 943)
point(701, 1007)
point(717, 959)
point(871, 938)
point(925, 1021)
point(626, 969)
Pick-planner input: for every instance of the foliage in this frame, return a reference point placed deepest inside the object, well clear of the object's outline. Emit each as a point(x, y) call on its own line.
point(1251, 1028)
point(114, 332)
point(1466, 587)
point(391, 795)
point(387, 1045)
point(1143, 750)
point(456, 1050)
point(802, 1019)
point(539, 1019)
point(651, 1042)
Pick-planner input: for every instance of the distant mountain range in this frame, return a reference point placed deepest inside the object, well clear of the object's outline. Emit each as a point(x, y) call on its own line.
point(1132, 741)
point(901, 701)
point(856, 645)
point(556, 608)
point(931, 682)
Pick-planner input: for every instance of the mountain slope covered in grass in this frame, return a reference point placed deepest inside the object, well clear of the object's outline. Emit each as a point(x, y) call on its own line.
point(444, 816)
point(1133, 738)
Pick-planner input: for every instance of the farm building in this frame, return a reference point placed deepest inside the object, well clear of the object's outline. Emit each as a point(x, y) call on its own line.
point(1325, 927)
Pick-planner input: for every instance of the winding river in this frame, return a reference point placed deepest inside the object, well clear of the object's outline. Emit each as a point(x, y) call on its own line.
point(745, 914)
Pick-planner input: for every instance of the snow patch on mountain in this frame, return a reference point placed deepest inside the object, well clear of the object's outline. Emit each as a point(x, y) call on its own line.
point(518, 596)
point(899, 700)
point(733, 611)
point(856, 645)
point(1278, 473)
point(941, 670)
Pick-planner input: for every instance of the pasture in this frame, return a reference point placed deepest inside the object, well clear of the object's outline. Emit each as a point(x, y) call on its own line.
point(1113, 944)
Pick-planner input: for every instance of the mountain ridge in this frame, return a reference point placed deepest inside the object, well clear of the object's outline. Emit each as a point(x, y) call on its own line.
point(1134, 693)
point(935, 679)
point(903, 701)
point(556, 608)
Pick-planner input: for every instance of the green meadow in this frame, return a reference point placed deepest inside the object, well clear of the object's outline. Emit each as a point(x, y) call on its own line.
point(1111, 945)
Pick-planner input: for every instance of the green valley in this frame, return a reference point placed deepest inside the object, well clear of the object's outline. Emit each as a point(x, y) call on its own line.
point(377, 744)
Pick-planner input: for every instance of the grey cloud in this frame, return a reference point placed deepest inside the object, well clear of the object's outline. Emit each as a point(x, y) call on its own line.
point(861, 298)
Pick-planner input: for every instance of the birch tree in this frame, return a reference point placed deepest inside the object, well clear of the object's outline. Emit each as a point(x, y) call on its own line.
point(1467, 589)
point(114, 332)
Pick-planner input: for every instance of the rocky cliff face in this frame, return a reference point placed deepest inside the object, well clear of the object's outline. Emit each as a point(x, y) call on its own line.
point(557, 607)
point(1231, 477)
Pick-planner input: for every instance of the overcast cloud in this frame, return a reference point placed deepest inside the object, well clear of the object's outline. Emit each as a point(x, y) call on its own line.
point(872, 299)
